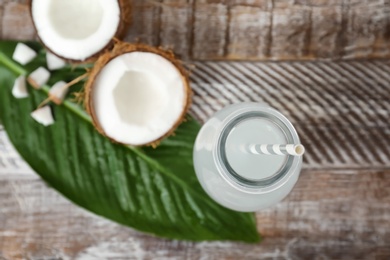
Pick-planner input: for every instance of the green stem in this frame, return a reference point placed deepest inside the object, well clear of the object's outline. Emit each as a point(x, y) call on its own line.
point(13, 66)
point(76, 109)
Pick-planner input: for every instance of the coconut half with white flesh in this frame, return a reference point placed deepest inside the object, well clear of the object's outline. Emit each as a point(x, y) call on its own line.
point(79, 30)
point(137, 95)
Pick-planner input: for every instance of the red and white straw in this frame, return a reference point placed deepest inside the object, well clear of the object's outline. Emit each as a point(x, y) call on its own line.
point(277, 149)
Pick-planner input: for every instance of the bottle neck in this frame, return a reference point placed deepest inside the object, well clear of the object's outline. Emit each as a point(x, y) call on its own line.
point(240, 181)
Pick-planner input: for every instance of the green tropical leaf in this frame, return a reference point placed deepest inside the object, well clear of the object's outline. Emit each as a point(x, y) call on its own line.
point(152, 190)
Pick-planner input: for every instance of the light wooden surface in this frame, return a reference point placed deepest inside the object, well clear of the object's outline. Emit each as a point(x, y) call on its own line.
point(340, 208)
point(329, 215)
point(246, 29)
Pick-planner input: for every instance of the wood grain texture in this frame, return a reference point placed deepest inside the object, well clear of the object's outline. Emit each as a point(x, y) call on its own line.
point(329, 215)
point(16, 21)
point(340, 208)
point(341, 110)
point(244, 29)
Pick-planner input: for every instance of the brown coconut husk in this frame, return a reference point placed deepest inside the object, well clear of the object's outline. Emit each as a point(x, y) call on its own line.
point(125, 21)
point(122, 48)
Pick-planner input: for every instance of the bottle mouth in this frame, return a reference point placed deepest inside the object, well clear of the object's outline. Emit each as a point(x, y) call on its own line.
point(277, 178)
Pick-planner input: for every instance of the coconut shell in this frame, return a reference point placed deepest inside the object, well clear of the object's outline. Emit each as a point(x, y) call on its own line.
point(125, 21)
point(121, 48)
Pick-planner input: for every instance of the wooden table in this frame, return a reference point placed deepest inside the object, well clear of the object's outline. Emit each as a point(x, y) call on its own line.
point(340, 208)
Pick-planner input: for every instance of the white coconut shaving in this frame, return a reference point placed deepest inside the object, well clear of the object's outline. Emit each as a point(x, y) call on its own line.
point(23, 54)
point(53, 62)
point(39, 77)
point(75, 29)
point(58, 90)
point(138, 97)
point(19, 89)
point(43, 116)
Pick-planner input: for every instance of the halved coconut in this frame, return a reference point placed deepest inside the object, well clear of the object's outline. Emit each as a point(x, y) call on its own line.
point(77, 30)
point(137, 95)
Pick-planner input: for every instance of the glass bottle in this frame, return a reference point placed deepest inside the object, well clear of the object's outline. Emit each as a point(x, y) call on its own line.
point(232, 175)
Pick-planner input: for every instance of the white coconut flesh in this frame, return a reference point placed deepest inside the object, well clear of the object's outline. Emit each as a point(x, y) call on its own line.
point(53, 62)
point(43, 116)
point(75, 29)
point(58, 90)
point(39, 77)
point(19, 89)
point(138, 97)
point(23, 54)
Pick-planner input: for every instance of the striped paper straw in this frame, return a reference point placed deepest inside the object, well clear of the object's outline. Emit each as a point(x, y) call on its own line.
point(278, 149)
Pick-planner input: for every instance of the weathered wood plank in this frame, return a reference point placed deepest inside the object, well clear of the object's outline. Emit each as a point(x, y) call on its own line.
point(16, 22)
point(210, 30)
point(372, 39)
point(244, 29)
point(317, 3)
point(340, 109)
point(290, 32)
point(176, 26)
point(249, 31)
point(325, 32)
point(145, 23)
point(335, 215)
